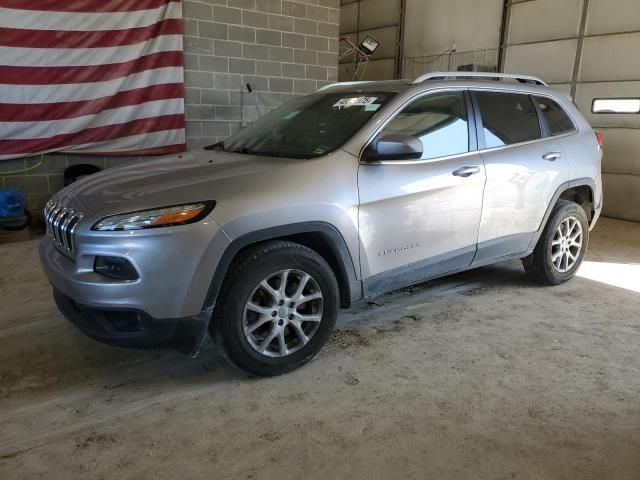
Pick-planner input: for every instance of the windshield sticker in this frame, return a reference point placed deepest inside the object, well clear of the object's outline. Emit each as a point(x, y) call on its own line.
point(355, 102)
point(372, 107)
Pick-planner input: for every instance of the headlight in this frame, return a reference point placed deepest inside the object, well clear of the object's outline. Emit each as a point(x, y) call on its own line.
point(154, 218)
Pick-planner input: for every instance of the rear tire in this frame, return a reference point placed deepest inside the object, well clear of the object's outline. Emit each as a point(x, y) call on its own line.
point(277, 308)
point(561, 247)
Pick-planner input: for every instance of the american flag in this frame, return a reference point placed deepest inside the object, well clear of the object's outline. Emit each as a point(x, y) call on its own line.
point(99, 77)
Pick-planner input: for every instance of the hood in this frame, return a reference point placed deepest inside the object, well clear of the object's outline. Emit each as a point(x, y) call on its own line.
point(185, 178)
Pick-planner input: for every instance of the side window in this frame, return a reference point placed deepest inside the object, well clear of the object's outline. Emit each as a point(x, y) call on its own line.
point(507, 118)
point(557, 119)
point(439, 120)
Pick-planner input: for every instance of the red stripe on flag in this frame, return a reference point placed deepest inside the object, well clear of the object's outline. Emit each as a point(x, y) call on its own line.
point(84, 6)
point(166, 150)
point(87, 74)
point(93, 135)
point(26, 38)
point(38, 112)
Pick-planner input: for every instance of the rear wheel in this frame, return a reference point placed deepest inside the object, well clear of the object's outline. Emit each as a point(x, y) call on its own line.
point(562, 246)
point(277, 309)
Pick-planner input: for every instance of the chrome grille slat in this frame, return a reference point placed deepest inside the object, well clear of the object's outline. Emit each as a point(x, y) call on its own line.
point(59, 218)
point(73, 225)
point(62, 223)
point(56, 224)
point(54, 214)
point(64, 228)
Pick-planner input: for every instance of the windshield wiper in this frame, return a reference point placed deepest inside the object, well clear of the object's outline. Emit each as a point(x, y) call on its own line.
point(275, 154)
point(215, 146)
point(247, 151)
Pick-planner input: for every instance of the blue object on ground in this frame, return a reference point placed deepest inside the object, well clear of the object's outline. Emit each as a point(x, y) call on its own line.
point(11, 204)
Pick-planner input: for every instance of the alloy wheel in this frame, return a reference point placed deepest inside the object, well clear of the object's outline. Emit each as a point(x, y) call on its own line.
point(282, 313)
point(567, 244)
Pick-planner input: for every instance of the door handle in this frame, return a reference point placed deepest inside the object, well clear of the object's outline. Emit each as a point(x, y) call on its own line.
point(466, 171)
point(552, 156)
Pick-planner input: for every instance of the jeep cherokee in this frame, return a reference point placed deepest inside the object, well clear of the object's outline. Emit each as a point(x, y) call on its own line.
point(330, 199)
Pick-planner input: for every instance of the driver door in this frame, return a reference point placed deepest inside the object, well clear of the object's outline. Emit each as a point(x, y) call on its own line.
point(420, 218)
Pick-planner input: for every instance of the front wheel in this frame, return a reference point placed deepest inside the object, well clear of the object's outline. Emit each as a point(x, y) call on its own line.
point(562, 246)
point(277, 309)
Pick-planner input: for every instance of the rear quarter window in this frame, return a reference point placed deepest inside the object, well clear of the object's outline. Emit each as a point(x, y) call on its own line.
point(557, 119)
point(507, 118)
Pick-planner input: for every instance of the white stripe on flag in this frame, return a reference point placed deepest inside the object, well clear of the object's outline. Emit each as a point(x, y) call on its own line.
point(69, 57)
point(34, 94)
point(74, 21)
point(124, 144)
point(134, 142)
point(51, 128)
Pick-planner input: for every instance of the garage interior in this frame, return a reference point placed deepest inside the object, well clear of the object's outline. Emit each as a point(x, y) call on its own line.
point(479, 375)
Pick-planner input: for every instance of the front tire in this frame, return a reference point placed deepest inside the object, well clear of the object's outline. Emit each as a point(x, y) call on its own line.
point(277, 308)
point(562, 246)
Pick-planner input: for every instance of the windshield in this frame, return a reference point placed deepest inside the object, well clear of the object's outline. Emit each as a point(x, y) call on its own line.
point(309, 126)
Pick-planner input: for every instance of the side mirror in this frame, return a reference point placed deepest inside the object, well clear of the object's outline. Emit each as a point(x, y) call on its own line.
point(395, 146)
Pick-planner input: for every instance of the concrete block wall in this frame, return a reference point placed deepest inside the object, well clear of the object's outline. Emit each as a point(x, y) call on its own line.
point(282, 48)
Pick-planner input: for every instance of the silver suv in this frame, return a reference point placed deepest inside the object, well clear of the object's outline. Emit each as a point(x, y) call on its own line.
point(333, 198)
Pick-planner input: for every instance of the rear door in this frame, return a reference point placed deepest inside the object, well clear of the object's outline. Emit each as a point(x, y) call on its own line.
point(419, 218)
point(524, 169)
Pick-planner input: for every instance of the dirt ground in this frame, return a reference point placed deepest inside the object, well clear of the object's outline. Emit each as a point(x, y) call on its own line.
point(482, 375)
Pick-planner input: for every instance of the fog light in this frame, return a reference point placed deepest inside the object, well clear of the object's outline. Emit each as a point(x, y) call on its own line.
point(115, 267)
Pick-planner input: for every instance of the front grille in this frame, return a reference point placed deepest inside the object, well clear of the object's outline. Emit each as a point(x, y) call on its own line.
point(61, 224)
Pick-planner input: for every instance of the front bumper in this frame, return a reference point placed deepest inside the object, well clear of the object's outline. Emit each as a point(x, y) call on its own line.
point(128, 328)
point(596, 214)
point(175, 268)
point(164, 307)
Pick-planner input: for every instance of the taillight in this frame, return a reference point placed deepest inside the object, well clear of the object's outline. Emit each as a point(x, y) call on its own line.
point(600, 139)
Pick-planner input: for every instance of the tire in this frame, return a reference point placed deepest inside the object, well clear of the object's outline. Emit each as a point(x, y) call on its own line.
point(245, 283)
point(544, 265)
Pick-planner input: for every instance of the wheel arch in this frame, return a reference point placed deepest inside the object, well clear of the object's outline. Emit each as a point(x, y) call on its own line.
point(321, 237)
point(583, 195)
point(580, 188)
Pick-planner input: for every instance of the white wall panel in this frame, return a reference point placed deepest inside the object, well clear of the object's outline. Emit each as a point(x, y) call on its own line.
point(552, 61)
point(379, 69)
point(613, 16)
point(622, 196)
point(375, 70)
point(586, 92)
point(349, 18)
point(621, 151)
point(561, 20)
point(345, 71)
point(431, 26)
point(378, 13)
point(611, 57)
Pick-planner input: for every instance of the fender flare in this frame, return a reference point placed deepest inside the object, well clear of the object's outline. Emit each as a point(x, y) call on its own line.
point(331, 234)
point(579, 182)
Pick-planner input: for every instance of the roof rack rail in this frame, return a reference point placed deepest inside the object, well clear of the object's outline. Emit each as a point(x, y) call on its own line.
point(497, 76)
point(341, 84)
